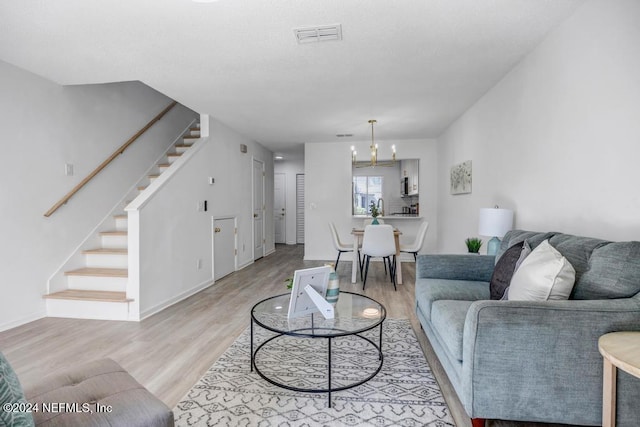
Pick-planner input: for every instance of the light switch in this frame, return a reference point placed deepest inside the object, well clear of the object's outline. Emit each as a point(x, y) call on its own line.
point(211, 180)
point(68, 169)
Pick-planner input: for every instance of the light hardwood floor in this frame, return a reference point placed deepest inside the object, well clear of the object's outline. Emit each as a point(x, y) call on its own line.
point(170, 351)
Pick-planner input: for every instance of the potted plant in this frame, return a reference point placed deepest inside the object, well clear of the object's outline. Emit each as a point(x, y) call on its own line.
point(473, 244)
point(374, 212)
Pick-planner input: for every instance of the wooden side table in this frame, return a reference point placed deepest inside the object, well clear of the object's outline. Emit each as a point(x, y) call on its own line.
point(620, 350)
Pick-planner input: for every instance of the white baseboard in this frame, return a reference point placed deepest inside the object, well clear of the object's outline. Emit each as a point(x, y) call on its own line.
point(23, 320)
point(171, 301)
point(246, 264)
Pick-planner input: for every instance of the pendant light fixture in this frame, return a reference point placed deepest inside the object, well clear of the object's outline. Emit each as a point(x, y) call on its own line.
point(373, 150)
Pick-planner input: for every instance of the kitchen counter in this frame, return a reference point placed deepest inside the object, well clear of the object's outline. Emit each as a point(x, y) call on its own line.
point(392, 216)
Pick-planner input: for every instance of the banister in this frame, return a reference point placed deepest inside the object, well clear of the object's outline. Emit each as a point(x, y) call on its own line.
point(104, 164)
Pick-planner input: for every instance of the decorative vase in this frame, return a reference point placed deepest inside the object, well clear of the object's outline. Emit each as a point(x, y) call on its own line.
point(333, 287)
point(375, 221)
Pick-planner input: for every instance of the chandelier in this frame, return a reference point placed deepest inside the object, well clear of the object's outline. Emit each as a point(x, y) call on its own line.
point(373, 149)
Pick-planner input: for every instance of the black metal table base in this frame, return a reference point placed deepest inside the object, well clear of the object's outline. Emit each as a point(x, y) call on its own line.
point(330, 387)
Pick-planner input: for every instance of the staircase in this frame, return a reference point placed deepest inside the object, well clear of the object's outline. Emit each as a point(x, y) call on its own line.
point(99, 289)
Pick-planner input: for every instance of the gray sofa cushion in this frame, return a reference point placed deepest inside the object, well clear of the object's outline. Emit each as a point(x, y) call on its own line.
point(576, 249)
point(430, 290)
point(456, 267)
point(11, 393)
point(101, 382)
point(613, 272)
point(448, 318)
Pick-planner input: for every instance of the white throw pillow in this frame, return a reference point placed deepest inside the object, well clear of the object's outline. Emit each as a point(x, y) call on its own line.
point(543, 275)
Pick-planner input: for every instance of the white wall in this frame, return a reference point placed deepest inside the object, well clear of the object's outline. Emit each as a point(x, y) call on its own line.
point(174, 234)
point(290, 168)
point(328, 175)
point(44, 126)
point(558, 139)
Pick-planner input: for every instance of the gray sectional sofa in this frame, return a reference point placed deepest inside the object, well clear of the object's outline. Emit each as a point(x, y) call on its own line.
point(532, 360)
point(94, 394)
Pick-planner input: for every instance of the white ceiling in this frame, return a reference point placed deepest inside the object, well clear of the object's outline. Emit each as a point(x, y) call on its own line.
point(414, 65)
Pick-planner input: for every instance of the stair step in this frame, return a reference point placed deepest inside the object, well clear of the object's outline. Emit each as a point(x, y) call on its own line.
point(122, 222)
point(142, 188)
point(172, 157)
point(78, 294)
point(163, 165)
point(114, 233)
point(105, 257)
point(107, 251)
point(99, 272)
point(152, 177)
point(181, 148)
point(114, 239)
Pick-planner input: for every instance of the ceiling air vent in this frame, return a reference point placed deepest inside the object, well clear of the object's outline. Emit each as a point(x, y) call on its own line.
point(318, 34)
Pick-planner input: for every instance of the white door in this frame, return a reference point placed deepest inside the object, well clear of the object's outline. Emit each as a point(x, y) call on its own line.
point(300, 208)
point(224, 247)
point(279, 210)
point(258, 209)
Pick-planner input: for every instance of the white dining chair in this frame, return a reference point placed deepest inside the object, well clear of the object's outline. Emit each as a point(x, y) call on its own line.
point(379, 241)
point(415, 246)
point(340, 246)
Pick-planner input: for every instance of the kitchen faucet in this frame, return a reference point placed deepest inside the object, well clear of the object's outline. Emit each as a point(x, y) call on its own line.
point(381, 210)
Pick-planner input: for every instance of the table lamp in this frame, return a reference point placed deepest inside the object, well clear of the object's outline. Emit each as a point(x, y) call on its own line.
point(494, 222)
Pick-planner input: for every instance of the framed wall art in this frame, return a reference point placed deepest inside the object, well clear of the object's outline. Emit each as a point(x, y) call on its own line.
point(461, 178)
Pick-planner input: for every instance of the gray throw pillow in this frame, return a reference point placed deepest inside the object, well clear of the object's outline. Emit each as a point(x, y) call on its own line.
point(11, 393)
point(503, 271)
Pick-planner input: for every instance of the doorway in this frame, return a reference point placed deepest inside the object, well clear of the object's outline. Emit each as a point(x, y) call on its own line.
point(300, 208)
point(279, 207)
point(224, 247)
point(258, 209)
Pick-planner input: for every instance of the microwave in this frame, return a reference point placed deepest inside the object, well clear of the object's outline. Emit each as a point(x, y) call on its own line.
point(404, 186)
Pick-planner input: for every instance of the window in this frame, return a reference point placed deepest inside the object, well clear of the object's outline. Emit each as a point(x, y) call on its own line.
point(366, 189)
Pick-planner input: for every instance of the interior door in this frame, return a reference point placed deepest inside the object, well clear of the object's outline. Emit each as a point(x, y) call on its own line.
point(224, 247)
point(279, 208)
point(300, 208)
point(258, 209)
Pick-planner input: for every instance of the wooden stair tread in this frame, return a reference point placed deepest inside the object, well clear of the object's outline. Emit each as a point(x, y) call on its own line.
point(121, 216)
point(77, 294)
point(113, 233)
point(164, 165)
point(141, 188)
point(183, 145)
point(116, 251)
point(191, 137)
point(154, 176)
point(174, 154)
point(101, 272)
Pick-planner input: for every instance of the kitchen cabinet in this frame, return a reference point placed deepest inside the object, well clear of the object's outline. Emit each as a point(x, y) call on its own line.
point(409, 169)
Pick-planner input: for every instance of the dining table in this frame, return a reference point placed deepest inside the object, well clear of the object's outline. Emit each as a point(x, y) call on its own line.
point(358, 233)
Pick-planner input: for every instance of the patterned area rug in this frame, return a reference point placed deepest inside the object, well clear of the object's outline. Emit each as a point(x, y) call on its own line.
point(403, 393)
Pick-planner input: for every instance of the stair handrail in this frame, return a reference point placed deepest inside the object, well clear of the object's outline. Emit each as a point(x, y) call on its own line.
point(104, 164)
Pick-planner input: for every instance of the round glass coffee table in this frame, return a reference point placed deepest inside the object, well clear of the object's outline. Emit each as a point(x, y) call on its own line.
point(355, 314)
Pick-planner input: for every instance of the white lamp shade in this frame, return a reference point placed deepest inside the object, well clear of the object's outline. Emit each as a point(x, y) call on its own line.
point(495, 222)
